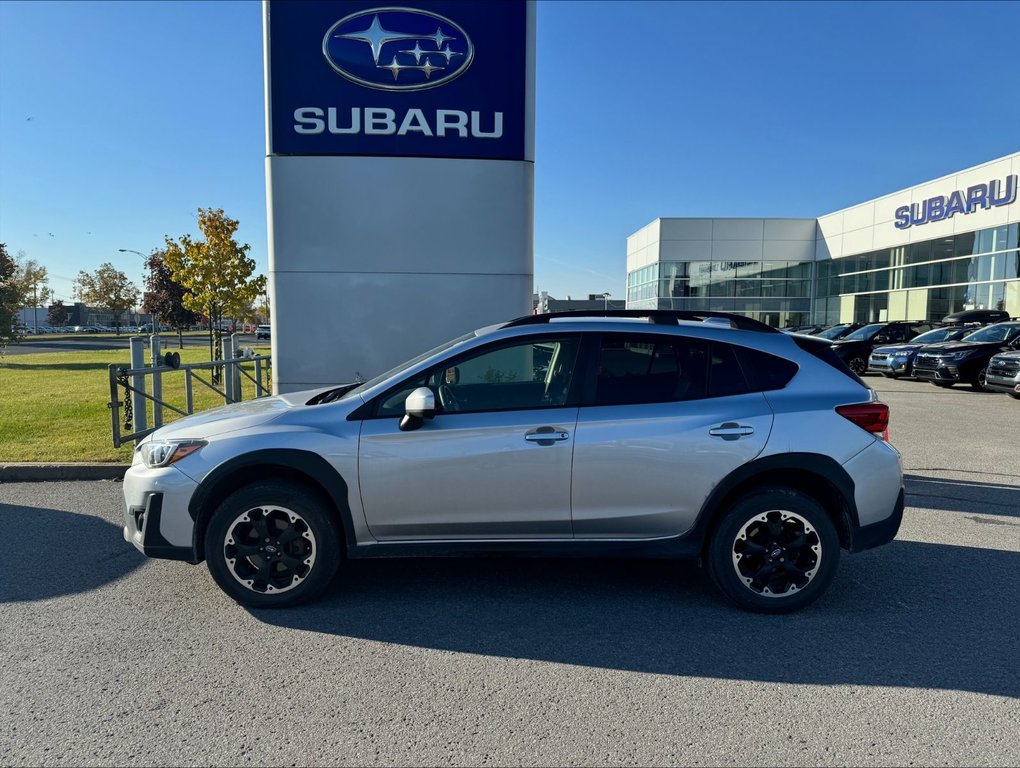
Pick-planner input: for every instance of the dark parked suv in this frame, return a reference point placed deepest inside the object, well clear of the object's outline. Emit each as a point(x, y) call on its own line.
point(897, 360)
point(966, 361)
point(854, 349)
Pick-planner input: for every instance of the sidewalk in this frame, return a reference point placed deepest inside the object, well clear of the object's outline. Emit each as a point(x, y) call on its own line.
point(47, 471)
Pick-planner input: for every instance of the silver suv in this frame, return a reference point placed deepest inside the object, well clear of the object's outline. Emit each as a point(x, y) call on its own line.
point(646, 434)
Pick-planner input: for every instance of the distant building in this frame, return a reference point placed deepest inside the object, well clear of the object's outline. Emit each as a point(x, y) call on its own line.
point(918, 254)
point(543, 303)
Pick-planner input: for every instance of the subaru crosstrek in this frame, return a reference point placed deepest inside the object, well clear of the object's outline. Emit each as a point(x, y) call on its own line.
point(658, 434)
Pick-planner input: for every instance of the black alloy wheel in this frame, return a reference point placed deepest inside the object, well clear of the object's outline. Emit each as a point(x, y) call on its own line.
point(273, 544)
point(774, 551)
point(858, 365)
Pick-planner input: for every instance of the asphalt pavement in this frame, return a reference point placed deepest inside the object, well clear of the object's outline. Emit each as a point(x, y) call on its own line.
point(911, 658)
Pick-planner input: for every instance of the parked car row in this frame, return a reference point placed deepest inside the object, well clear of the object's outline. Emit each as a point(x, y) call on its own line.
point(977, 347)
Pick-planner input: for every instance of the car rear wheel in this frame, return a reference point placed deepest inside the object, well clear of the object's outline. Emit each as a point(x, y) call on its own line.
point(273, 545)
point(774, 551)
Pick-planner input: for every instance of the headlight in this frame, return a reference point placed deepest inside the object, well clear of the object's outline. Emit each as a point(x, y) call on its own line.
point(954, 355)
point(163, 453)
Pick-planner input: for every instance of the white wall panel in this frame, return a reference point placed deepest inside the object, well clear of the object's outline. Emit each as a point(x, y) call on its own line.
point(685, 229)
point(858, 217)
point(376, 268)
point(736, 250)
point(685, 250)
point(738, 229)
point(790, 229)
point(831, 225)
point(791, 250)
point(858, 241)
point(366, 323)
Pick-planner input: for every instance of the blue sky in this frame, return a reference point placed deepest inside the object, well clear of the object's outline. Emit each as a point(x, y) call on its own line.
point(118, 120)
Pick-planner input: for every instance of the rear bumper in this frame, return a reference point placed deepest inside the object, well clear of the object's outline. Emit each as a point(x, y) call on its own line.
point(882, 532)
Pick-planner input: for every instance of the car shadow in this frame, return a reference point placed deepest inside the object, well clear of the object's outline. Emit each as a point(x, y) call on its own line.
point(909, 614)
point(963, 496)
point(55, 553)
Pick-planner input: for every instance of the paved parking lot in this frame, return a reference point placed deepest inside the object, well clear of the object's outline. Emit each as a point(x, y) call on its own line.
point(912, 657)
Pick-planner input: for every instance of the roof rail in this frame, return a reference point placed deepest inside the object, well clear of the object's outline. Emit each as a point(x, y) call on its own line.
point(655, 316)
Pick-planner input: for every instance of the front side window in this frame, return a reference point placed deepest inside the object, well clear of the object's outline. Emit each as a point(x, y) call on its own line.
point(536, 373)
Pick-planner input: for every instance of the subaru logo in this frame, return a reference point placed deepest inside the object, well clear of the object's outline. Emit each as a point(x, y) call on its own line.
point(398, 49)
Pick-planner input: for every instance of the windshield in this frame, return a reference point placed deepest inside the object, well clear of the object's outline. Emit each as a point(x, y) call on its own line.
point(865, 333)
point(1001, 332)
point(833, 332)
point(410, 363)
point(939, 334)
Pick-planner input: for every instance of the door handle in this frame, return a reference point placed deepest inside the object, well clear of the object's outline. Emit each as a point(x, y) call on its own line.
point(546, 436)
point(731, 431)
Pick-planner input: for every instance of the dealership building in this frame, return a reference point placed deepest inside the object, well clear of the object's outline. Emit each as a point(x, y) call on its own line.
point(918, 254)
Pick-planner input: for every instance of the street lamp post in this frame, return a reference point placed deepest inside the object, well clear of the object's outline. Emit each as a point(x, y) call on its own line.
point(156, 349)
point(155, 327)
point(605, 298)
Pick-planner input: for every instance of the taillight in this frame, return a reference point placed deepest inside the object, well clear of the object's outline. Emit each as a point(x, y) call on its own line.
point(872, 417)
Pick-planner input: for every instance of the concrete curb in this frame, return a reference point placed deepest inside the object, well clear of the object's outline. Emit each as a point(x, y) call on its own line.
point(42, 472)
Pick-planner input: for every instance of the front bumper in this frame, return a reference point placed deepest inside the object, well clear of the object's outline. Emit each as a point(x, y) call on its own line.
point(943, 372)
point(891, 364)
point(1003, 384)
point(156, 518)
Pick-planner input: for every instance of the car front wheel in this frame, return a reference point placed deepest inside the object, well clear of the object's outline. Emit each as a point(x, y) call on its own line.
point(858, 365)
point(978, 384)
point(774, 551)
point(273, 545)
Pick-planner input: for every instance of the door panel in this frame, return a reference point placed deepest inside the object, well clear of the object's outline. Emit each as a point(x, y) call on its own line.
point(645, 470)
point(469, 475)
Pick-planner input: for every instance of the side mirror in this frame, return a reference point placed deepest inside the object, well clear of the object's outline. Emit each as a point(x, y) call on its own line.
point(419, 406)
point(881, 339)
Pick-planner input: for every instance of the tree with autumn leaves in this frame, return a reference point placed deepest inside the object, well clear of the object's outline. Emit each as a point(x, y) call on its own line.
point(215, 271)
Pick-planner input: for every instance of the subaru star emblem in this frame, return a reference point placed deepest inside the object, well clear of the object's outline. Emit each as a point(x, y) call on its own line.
point(398, 49)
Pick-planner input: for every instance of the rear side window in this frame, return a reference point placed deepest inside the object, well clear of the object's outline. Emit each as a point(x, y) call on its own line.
point(726, 377)
point(767, 372)
point(646, 369)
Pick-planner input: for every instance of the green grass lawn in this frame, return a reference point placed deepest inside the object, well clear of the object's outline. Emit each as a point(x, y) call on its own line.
point(53, 406)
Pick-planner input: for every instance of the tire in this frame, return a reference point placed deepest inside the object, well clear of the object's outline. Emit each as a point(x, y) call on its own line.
point(858, 365)
point(775, 519)
point(978, 383)
point(273, 544)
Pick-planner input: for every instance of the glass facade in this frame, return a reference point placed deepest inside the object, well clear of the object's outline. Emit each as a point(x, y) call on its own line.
point(777, 292)
point(922, 281)
point(918, 281)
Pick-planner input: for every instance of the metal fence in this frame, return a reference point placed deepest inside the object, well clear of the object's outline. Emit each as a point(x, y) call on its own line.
point(143, 384)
